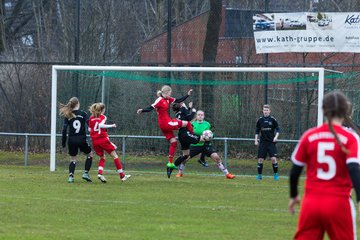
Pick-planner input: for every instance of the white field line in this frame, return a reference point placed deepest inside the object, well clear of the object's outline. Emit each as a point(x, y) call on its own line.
point(201, 206)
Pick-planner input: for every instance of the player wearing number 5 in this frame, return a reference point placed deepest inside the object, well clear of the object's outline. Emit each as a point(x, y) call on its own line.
point(101, 141)
point(75, 120)
point(330, 153)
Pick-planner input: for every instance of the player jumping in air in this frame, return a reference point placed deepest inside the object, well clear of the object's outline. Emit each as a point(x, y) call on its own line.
point(166, 124)
point(101, 141)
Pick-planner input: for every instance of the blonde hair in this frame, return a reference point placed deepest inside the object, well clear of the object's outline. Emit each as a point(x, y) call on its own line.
point(164, 89)
point(66, 109)
point(96, 109)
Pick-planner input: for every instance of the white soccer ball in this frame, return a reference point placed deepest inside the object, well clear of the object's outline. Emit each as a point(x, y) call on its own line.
point(207, 135)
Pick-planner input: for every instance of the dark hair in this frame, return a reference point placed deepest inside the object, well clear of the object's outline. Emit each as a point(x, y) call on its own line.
point(176, 107)
point(336, 105)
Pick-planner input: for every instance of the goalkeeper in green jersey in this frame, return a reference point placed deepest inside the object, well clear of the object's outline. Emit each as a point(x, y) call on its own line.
point(201, 125)
point(205, 148)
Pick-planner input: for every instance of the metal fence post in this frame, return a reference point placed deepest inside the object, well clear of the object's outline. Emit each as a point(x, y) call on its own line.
point(26, 149)
point(123, 149)
point(225, 152)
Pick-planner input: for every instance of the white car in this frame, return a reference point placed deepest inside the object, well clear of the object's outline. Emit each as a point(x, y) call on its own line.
point(295, 23)
point(272, 25)
point(323, 22)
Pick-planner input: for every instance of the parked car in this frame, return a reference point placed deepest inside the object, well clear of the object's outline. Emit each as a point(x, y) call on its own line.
point(296, 23)
point(272, 25)
point(262, 24)
point(323, 22)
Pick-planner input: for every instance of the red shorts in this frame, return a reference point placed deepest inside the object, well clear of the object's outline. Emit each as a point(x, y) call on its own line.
point(103, 144)
point(331, 214)
point(167, 128)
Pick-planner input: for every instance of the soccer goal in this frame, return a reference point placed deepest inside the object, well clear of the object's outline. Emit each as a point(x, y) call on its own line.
point(232, 98)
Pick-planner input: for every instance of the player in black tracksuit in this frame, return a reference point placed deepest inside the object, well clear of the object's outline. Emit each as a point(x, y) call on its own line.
point(268, 128)
point(76, 120)
point(185, 137)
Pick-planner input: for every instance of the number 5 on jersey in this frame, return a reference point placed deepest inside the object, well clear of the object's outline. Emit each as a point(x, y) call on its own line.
point(327, 159)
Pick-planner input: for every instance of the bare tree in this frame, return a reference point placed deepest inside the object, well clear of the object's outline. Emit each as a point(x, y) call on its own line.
point(210, 49)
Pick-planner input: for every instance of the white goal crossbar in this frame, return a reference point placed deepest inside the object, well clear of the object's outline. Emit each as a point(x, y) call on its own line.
point(55, 68)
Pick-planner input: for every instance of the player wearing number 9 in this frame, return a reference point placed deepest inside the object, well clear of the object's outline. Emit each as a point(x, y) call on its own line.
point(75, 120)
point(330, 153)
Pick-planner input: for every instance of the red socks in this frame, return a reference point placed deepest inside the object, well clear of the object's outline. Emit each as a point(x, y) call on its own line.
point(119, 167)
point(172, 151)
point(101, 166)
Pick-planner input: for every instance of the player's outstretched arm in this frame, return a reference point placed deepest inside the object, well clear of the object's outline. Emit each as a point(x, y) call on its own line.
point(103, 125)
point(148, 109)
point(179, 100)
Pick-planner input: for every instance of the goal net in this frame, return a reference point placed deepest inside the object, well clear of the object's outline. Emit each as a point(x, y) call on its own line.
point(231, 97)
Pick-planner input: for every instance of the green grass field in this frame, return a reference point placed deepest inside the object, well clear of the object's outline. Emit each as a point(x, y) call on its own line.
point(38, 204)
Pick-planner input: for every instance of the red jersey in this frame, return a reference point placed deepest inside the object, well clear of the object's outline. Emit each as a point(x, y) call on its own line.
point(94, 127)
point(326, 172)
point(162, 108)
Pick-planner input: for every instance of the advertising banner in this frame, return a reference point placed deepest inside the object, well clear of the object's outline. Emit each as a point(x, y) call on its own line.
point(307, 32)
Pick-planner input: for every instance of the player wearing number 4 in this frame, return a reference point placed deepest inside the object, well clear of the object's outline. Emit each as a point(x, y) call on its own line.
point(101, 141)
point(75, 120)
point(331, 155)
point(268, 128)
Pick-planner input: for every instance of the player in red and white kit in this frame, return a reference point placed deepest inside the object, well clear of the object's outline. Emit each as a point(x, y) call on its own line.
point(166, 124)
point(331, 155)
point(101, 142)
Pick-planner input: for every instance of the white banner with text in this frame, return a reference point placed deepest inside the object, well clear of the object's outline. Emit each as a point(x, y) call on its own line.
point(307, 32)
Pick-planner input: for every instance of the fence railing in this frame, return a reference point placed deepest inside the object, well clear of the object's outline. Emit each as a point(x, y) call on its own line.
point(124, 138)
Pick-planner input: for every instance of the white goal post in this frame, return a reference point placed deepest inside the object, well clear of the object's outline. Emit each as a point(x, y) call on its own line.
point(56, 68)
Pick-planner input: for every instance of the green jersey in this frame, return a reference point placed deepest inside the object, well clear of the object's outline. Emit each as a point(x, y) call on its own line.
point(199, 127)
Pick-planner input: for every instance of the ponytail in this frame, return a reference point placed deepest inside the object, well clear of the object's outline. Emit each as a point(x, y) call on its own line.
point(66, 109)
point(332, 130)
point(336, 105)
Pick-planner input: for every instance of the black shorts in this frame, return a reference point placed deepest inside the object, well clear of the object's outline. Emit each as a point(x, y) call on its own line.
point(186, 138)
point(76, 143)
point(207, 149)
point(265, 148)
